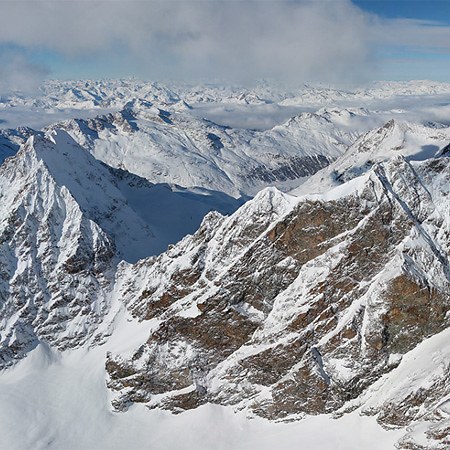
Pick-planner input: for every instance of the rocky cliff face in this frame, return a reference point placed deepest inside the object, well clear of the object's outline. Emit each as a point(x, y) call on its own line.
point(297, 306)
point(66, 220)
point(54, 258)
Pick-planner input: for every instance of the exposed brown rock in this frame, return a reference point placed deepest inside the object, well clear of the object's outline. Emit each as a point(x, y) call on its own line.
point(415, 312)
point(338, 333)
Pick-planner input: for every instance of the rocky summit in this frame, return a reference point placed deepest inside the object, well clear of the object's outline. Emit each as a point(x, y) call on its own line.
point(296, 306)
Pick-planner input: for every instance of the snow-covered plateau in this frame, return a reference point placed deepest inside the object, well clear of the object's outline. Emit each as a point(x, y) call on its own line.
point(197, 267)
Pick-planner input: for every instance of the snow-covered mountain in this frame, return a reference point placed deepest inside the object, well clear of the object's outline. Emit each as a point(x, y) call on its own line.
point(12, 139)
point(66, 221)
point(302, 306)
point(176, 147)
point(413, 141)
point(82, 94)
point(327, 307)
point(289, 306)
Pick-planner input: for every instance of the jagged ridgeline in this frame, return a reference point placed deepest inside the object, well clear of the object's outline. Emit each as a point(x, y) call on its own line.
point(300, 305)
point(176, 147)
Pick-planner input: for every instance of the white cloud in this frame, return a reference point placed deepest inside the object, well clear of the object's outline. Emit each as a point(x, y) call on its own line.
point(294, 41)
point(416, 35)
point(19, 75)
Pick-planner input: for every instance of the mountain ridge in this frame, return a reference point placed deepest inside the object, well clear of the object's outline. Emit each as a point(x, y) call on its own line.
point(333, 302)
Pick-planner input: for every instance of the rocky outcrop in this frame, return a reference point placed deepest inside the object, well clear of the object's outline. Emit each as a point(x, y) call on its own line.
point(296, 306)
point(54, 258)
point(66, 220)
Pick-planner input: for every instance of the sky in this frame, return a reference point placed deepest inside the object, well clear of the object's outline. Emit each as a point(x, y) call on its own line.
point(339, 42)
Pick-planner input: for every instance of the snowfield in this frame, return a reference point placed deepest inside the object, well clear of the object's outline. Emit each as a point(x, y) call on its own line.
point(60, 401)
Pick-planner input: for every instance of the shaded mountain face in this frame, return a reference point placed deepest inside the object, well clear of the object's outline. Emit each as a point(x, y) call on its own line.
point(11, 140)
point(66, 220)
point(294, 306)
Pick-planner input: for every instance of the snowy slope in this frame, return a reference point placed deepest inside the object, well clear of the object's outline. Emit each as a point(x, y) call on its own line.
point(176, 147)
point(324, 315)
point(156, 131)
point(291, 308)
point(66, 221)
point(414, 141)
point(60, 401)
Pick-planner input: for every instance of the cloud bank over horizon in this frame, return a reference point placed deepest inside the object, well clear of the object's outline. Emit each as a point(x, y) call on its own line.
point(204, 40)
point(18, 74)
